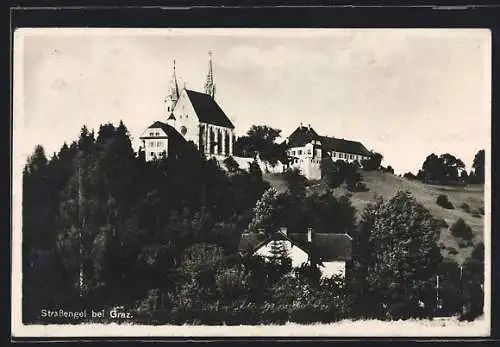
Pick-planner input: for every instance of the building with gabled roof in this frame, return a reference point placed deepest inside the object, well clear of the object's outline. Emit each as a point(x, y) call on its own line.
point(196, 117)
point(306, 150)
point(328, 250)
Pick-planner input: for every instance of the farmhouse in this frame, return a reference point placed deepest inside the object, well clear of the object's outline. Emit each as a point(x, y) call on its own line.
point(190, 116)
point(306, 149)
point(330, 251)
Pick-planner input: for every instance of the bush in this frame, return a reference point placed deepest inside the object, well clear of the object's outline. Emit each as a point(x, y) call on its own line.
point(465, 207)
point(441, 223)
point(373, 163)
point(231, 164)
point(452, 251)
point(357, 187)
point(442, 200)
point(478, 252)
point(462, 244)
point(409, 176)
point(462, 230)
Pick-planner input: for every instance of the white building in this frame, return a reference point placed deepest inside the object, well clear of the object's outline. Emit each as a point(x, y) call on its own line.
point(306, 150)
point(196, 117)
point(330, 251)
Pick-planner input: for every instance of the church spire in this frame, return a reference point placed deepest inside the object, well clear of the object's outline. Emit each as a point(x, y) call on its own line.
point(174, 87)
point(210, 83)
point(173, 94)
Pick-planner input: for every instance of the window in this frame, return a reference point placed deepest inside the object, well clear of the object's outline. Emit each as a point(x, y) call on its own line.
point(299, 152)
point(157, 134)
point(334, 154)
point(293, 152)
point(159, 144)
point(309, 152)
point(151, 134)
point(341, 156)
point(152, 144)
point(152, 154)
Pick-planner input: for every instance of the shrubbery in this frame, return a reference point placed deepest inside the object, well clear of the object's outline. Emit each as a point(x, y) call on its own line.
point(442, 200)
point(465, 207)
point(441, 223)
point(462, 230)
point(336, 173)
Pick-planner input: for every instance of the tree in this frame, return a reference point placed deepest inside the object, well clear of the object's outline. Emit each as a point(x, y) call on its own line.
point(462, 230)
point(404, 256)
point(443, 169)
point(478, 167)
point(362, 257)
point(261, 139)
point(267, 212)
point(296, 183)
point(373, 163)
point(279, 259)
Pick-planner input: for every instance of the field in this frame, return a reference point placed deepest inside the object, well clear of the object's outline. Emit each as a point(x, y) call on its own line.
point(386, 185)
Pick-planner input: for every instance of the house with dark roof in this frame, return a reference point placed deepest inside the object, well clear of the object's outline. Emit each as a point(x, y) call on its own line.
point(329, 251)
point(196, 117)
point(306, 150)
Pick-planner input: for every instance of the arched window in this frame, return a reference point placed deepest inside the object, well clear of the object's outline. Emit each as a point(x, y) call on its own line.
point(219, 142)
point(226, 143)
point(201, 139)
point(212, 141)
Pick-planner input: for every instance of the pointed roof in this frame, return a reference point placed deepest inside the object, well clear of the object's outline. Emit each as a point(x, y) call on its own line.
point(174, 92)
point(172, 134)
point(210, 83)
point(325, 246)
point(207, 109)
point(302, 136)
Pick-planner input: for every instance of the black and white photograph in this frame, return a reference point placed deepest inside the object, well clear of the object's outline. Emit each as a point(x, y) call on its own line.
point(251, 182)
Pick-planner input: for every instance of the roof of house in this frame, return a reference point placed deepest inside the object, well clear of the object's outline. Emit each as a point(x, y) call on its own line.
point(324, 246)
point(169, 130)
point(345, 146)
point(207, 109)
point(305, 134)
point(302, 136)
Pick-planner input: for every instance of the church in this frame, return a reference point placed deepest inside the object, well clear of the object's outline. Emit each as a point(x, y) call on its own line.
point(190, 116)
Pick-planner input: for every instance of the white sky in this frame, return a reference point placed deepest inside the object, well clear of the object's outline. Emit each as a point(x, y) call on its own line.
point(404, 93)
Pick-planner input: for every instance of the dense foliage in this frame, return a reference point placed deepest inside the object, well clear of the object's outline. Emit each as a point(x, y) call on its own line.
point(397, 258)
point(442, 200)
point(103, 228)
point(261, 140)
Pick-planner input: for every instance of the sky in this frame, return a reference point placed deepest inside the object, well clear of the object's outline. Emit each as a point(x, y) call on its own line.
point(405, 93)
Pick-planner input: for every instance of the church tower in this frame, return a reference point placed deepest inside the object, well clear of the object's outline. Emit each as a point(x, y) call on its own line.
point(173, 95)
point(210, 83)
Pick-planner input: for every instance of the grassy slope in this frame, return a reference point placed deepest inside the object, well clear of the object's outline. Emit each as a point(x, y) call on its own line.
point(386, 185)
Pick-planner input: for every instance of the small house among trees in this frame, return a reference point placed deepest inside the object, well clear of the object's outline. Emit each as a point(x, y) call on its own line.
point(329, 251)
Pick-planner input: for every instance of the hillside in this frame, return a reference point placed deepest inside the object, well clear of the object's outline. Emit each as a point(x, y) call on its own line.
point(386, 185)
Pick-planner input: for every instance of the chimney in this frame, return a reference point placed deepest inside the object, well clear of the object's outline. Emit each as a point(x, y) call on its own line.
point(283, 230)
point(301, 125)
point(309, 126)
point(309, 234)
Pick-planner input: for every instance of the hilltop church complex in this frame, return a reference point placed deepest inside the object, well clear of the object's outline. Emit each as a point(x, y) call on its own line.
point(195, 116)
